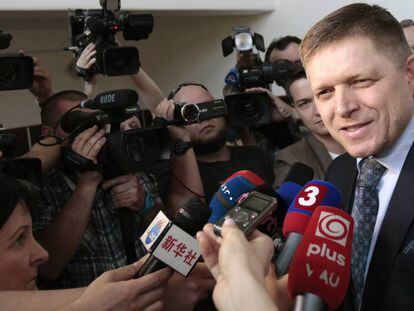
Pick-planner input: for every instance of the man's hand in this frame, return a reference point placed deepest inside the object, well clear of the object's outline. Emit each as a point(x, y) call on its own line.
point(42, 82)
point(86, 60)
point(126, 192)
point(117, 290)
point(239, 266)
point(280, 111)
point(88, 144)
point(184, 293)
point(165, 109)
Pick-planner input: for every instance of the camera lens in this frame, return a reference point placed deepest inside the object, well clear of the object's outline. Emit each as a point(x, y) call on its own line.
point(249, 110)
point(7, 72)
point(118, 59)
point(190, 112)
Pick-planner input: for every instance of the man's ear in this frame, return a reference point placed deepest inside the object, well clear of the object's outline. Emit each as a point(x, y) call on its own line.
point(46, 129)
point(409, 67)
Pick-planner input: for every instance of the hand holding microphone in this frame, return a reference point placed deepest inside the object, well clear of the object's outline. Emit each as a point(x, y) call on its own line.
point(239, 266)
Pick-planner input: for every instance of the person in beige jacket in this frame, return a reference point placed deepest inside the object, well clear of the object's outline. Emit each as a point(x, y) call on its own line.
point(318, 148)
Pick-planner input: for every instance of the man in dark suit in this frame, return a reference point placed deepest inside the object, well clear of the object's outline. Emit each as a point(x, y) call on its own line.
point(361, 72)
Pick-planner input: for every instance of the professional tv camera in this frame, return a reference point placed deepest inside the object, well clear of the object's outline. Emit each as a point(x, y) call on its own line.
point(251, 108)
point(143, 149)
point(16, 71)
point(99, 27)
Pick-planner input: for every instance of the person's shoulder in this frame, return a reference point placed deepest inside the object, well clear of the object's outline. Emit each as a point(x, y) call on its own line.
point(250, 149)
point(292, 151)
point(341, 166)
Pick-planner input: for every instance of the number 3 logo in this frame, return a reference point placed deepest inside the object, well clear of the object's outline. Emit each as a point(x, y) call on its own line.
point(309, 196)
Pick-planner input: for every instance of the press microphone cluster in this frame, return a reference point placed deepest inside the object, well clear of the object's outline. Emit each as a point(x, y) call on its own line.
point(313, 194)
point(172, 243)
point(320, 271)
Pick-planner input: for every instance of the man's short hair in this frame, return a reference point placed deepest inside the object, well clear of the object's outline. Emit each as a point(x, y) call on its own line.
point(13, 191)
point(358, 20)
point(407, 23)
point(280, 44)
point(48, 110)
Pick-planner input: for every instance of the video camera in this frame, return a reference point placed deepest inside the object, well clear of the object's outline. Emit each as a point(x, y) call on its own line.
point(144, 149)
point(253, 108)
point(16, 71)
point(99, 27)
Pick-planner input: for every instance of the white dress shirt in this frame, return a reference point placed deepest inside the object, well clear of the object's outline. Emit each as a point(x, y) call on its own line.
point(393, 159)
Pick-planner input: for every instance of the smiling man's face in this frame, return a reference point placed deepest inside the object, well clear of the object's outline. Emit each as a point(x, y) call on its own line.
point(364, 98)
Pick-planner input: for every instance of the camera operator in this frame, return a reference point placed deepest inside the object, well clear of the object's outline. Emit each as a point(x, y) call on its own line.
point(77, 219)
point(22, 256)
point(202, 160)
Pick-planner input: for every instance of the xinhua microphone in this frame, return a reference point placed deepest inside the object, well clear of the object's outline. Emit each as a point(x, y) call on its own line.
point(320, 271)
point(313, 194)
point(112, 100)
point(230, 191)
point(190, 218)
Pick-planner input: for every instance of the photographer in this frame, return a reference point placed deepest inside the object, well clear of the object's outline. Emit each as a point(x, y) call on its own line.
point(22, 256)
point(77, 220)
point(203, 160)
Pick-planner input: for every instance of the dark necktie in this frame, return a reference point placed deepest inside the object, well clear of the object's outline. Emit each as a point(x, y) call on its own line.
point(364, 212)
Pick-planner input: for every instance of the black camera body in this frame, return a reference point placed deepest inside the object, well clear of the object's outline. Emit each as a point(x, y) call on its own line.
point(99, 27)
point(145, 149)
point(251, 109)
point(16, 71)
point(187, 113)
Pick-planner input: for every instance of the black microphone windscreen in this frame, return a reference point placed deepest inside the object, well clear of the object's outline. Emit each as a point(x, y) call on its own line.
point(300, 174)
point(116, 99)
point(192, 215)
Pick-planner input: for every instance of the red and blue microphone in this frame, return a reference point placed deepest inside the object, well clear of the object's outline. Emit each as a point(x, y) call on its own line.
point(315, 193)
point(230, 191)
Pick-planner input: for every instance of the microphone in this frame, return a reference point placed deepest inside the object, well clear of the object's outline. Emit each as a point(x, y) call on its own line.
point(230, 191)
point(320, 272)
point(313, 194)
point(298, 175)
point(232, 77)
point(111, 100)
point(190, 218)
point(77, 121)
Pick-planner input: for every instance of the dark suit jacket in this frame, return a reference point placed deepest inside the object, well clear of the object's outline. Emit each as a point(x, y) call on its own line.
point(390, 279)
point(309, 151)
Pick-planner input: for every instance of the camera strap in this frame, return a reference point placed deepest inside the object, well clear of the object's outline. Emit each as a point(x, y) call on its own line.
point(77, 162)
point(86, 74)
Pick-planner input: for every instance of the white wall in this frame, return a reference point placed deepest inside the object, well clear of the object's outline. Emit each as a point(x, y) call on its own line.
point(181, 48)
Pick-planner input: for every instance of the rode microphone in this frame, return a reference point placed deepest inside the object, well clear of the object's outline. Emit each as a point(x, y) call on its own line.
point(313, 194)
point(230, 191)
point(190, 218)
point(76, 121)
point(112, 100)
point(320, 272)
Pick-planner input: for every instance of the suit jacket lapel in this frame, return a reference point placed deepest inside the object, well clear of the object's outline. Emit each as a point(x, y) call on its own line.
point(398, 218)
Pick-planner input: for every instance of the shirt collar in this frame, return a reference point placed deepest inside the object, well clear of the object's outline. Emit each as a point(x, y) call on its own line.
point(394, 157)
